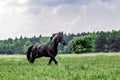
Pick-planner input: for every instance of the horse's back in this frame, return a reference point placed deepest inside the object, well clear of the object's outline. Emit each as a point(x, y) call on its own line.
point(40, 49)
point(35, 47)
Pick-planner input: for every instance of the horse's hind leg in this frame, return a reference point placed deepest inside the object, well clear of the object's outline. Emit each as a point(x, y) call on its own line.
point(32, 58)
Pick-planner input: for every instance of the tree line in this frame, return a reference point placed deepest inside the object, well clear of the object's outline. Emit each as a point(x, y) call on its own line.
point(76, 43)
point(96, 42)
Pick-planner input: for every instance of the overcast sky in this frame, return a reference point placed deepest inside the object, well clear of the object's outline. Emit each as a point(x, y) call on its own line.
point(35, 17)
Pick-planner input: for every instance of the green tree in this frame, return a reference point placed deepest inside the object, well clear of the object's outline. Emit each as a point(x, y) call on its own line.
point(101, 41)
point(82, 44)
point(26, 45)
point(114, 41)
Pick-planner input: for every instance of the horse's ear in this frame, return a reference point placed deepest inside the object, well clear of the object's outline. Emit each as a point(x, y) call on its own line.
point(59, 32)
point(62, 32)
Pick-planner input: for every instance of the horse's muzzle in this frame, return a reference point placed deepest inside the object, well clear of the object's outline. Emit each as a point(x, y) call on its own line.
point(63, 43)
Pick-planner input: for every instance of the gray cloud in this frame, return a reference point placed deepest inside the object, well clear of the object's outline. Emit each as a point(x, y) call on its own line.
point(36, 5)
point(35, 17)
point(58, 2)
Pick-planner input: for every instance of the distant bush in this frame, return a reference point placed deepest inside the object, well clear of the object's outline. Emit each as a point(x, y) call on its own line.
point(82, 44)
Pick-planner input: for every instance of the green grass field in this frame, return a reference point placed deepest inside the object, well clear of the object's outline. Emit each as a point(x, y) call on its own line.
point(70, 67)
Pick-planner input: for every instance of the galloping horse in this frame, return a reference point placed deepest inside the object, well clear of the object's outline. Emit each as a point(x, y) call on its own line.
point(47, 49)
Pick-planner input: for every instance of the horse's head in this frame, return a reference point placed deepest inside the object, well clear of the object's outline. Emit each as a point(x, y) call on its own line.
point(61, 38)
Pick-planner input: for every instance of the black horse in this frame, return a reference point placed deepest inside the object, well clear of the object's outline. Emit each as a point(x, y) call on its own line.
point(47, 49)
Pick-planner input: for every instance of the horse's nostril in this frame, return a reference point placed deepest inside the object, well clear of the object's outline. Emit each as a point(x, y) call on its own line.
point(64, 42)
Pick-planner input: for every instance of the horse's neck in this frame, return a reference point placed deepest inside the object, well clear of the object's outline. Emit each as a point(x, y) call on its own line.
point(54, 44)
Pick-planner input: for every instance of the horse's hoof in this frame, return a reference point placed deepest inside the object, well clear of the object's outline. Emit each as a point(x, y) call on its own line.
point(31, 62)
point(56, 63)
point(48, 64)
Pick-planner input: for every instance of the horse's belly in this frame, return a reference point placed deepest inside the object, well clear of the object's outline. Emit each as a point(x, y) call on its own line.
point(43, 53)
point(46, 55)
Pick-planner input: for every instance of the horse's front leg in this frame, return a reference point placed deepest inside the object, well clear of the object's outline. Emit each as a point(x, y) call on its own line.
point(55, 61)
point(52, 58)
point(50, 61)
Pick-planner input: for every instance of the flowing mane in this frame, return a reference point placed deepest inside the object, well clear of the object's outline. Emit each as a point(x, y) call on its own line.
point(52, 36)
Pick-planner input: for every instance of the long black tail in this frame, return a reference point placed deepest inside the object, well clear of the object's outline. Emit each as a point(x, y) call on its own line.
point(29, 53)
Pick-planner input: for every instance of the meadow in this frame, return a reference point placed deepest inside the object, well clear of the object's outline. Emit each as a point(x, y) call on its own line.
point(70, 67)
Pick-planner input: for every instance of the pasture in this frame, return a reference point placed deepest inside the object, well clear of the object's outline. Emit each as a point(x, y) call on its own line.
point(70, 67)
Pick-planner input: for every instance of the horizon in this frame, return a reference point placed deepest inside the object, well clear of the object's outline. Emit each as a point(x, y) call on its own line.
point(43, 17)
